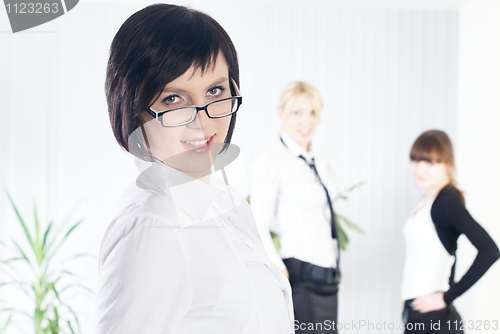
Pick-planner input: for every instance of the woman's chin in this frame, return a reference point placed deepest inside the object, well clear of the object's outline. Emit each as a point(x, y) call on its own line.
point(422, 185)
point(191, 161)
point(304, 140)
point(194, 161)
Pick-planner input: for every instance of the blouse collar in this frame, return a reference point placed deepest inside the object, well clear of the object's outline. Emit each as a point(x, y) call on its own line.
point(295, 148)
point(194, 199)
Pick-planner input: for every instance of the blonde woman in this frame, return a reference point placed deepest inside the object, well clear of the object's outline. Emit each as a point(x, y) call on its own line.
point(292, 197)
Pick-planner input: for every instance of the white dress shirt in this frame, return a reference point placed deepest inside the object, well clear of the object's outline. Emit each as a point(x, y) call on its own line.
point(184, 257)
point(288, 199)
point(427, 263)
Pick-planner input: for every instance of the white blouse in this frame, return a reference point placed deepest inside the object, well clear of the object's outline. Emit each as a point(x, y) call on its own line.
point(288, 199)
point(184, 256)
point(427, 263)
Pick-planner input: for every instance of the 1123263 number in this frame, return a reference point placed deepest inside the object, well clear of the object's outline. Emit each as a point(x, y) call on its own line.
point(472, 325)
point(32, 8)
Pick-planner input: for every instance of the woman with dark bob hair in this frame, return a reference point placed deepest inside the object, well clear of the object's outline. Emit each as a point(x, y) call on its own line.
point(183, 254)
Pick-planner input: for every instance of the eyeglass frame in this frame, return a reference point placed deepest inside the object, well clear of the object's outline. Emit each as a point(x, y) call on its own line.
point(158, 114)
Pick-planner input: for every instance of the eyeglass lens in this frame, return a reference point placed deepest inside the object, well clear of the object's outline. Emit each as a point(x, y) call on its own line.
point(186, 115)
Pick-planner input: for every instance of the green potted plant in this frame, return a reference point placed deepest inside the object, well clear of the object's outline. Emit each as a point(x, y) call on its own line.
point(342, 222)
point(32, 270)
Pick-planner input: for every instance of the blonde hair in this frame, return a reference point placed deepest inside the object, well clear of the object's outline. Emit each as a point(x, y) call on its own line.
point(296, 88)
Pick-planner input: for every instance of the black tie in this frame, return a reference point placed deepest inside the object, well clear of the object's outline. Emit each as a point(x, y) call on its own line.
point(328, 199)
point(330, 206)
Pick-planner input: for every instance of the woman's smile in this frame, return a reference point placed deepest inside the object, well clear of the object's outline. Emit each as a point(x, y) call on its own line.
point(199, 145)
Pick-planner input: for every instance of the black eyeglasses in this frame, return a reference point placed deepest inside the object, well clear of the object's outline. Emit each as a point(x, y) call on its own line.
point(185, 115)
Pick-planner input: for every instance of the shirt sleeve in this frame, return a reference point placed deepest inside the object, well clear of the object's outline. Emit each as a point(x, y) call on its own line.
point(456, 216)
point(144, 284)
point(263, 200)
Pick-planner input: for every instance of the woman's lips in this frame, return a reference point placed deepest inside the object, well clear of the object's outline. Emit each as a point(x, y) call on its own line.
point(198, 145)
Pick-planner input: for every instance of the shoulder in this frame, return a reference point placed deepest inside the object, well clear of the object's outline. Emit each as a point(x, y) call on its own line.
point(447, 207)
point(447, 199)
point(141, 215)
point(271, 159)
point(274, 152)
point(153, 204)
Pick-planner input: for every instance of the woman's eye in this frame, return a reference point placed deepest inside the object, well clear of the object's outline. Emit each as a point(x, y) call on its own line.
point(216, 91)
point(171, 99)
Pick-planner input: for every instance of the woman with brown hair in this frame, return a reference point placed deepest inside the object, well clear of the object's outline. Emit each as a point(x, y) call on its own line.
point(431, 234)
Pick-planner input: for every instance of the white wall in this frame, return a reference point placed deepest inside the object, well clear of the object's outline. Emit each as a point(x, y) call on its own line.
point(478, 120)
point(386, 74)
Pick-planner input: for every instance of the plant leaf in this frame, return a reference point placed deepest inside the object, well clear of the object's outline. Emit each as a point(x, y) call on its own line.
point(74, 317)
point(6, 246)
point(353, 226)
point(46, 234)
point(23, 254)
point(83, 254)
point(343, 240)
point(340, 196)
point(20, 285)
point(71, 327)
point(73, 228)
point(6, 324)
point(11, 260)
point(61, 242)
point(16, 311)
point(276, 241)
point(21, 221)
point(53, 288)
point(351, 188)
point(79, 285)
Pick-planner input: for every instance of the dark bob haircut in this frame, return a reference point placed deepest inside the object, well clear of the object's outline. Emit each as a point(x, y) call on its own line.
point(153, 47)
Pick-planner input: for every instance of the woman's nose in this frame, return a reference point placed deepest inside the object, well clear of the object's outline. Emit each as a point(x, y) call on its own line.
point(201, 120)
point(422, 166)
point(307, 120)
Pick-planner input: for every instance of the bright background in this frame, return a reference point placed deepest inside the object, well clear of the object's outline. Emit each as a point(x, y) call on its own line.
point(387, 71)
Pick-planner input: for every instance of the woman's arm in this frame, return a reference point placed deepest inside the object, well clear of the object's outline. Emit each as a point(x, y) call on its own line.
point(450, 210)
point(263, 200)
point(144, 284)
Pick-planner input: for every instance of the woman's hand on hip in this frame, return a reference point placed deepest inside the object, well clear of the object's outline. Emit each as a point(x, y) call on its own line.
point(429, 303)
